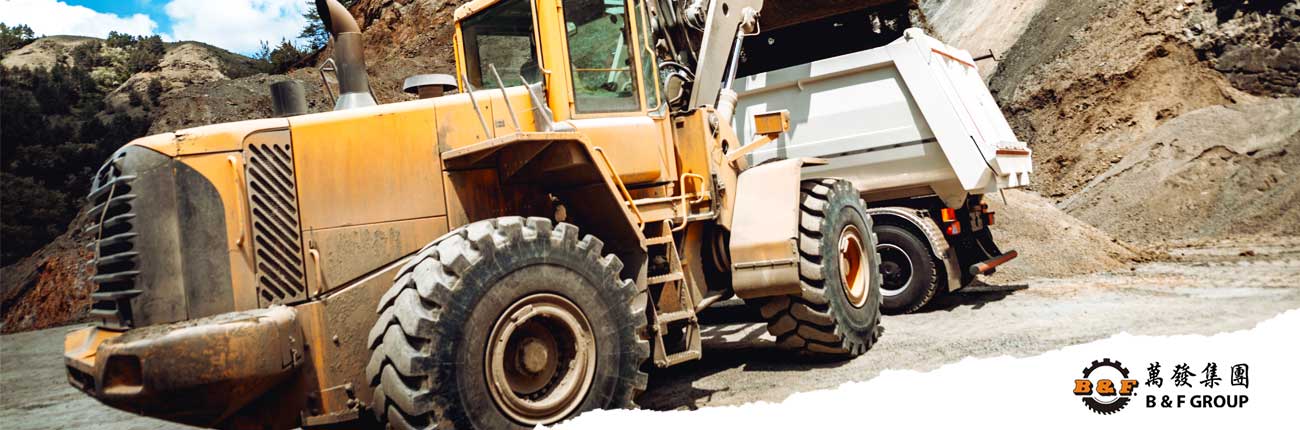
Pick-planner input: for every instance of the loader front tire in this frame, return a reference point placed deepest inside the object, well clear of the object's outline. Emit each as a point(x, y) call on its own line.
point(837, 312)
point(507, 323)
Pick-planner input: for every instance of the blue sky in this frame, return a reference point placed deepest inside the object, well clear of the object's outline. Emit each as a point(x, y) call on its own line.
point(151, 8)
point(236, 25)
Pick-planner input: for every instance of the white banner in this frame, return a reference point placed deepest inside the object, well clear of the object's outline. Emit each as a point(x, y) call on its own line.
point(1244, 379)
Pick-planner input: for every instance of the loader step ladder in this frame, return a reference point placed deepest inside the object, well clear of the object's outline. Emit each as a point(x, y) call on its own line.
point(676, 327)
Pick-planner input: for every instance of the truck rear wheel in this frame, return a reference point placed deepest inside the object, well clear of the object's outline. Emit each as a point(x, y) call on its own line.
point(838, 311)
point(908, 276)
point(507, 323)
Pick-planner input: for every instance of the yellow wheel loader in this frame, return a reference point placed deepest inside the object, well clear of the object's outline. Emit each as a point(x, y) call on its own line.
point(507, 256)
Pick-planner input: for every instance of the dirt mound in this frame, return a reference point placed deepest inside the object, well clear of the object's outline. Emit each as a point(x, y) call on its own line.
point(1051, 243)
point(1122, 72)
point(1087, 75)
point(1083, 127)
point(1146, 119)
point(1217, 172)
point(45, 52)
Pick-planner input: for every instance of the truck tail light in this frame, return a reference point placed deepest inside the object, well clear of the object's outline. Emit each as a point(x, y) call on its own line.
point(948, 214)
point(990, 220)
point(953, 229)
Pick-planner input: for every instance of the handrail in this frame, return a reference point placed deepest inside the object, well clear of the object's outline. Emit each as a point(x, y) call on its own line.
point(686, 208)
point(328, 66)
point(602, 69)
point(505, 97)
point(621, 187)
point(320, 272)
point(487, 131)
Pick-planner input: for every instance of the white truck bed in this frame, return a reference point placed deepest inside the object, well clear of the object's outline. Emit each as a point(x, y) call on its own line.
point(909, 119)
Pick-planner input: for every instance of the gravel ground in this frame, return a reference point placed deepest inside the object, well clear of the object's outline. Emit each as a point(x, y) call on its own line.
point(1203, 289)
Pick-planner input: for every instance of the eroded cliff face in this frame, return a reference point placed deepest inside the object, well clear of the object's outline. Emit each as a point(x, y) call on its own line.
point(1256, 44)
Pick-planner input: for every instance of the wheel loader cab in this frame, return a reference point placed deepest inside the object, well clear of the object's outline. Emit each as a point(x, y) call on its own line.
point(591, 64)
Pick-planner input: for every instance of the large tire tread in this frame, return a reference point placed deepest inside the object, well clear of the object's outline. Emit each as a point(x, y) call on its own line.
point(931, 280)
point(805, 322)
point(403, 338)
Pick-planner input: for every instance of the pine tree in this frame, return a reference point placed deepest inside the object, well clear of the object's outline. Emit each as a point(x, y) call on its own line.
point(15, 37)
point(315, 34)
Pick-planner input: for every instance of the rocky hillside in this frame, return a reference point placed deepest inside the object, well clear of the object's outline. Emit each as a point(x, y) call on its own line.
point(193, 84)
point(68, 103)
point(1151, 119)
point(43, 53)
point(402, 39)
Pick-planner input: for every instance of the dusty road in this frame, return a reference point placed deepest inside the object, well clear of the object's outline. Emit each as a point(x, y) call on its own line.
point(1204, 290)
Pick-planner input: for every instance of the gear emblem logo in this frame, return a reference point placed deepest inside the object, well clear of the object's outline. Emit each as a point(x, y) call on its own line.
point(1105, 387)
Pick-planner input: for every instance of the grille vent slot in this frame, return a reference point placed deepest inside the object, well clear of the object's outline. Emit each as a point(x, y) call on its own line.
point(116, 261)
point(277, 238)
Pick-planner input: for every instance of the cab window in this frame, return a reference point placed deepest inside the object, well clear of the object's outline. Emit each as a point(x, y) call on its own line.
point(501, 36)
point(599, 37)
point(648, 65)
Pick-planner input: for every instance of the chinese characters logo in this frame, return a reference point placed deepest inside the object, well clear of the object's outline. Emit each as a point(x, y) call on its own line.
point(1208, 395)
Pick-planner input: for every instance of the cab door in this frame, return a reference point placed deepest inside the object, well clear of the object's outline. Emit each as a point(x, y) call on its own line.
point(611, 87)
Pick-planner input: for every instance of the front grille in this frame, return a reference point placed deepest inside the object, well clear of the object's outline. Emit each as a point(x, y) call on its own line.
point(116, 260)
point(277, 239)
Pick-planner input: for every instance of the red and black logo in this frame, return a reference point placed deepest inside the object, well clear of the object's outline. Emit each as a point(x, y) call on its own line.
point(1105, 387)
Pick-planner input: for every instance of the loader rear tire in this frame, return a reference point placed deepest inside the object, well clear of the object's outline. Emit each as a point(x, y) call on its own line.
point(507, 323)
point(837, 312)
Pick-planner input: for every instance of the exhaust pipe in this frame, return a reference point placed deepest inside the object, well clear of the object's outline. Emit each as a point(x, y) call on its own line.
point(349, 57)
point(288, 99)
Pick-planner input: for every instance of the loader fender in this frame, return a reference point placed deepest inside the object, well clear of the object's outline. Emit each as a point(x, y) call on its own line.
point(765, 229)
point(906, 217)
point(565, 164)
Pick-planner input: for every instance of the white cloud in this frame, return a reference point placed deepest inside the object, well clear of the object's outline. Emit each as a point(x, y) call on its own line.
point(236, 25)
point(53, 17)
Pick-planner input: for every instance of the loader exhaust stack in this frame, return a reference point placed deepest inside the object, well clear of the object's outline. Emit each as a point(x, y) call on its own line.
point(349, 56)
point(288, 98)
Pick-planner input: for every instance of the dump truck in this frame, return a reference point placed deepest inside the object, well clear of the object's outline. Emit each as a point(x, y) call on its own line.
point(911, 123)
point(504, 257)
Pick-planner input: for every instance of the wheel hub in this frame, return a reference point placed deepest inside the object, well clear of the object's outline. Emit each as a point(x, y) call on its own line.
point(895, 269)
point(533, 356)
point(853, 262)
point(541, 359)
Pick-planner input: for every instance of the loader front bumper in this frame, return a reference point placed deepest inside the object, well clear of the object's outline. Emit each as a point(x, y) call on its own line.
point(196, 372)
